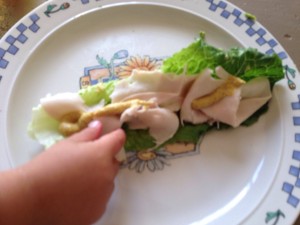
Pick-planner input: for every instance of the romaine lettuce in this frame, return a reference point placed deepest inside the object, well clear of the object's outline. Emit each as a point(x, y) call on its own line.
point(246, 63)
point(44, 128)
point(137, 140)
point(92, 95)
point(189, 133)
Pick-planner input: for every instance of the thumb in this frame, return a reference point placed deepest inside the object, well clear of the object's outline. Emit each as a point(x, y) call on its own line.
point(111, 143)
point(91, 133)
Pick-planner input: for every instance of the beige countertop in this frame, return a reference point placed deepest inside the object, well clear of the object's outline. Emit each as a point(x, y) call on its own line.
point(281, 18)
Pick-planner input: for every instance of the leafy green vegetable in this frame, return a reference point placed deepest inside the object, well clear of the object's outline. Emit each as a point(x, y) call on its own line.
point(193, 59)
point(189, 133)
point(92, 95)
point(250, 63)
point(137, 140)
point(44, 128)
point(246, 63)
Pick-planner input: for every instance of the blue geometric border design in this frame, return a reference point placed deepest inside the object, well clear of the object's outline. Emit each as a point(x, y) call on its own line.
point(289, 187)
point(240, 19)
point(11, 40)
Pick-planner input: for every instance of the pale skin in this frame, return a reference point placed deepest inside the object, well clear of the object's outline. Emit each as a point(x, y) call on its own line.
point(70, 183)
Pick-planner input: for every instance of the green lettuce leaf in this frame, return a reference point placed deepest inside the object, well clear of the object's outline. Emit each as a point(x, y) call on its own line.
point(92, 95)
point(250, 63)
point(193, 59)
point(189, 133)
point(138, 140)
point(44, 128)
point(246, 63)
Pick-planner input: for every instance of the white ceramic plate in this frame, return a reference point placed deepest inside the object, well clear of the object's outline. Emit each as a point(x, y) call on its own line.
point(242, 176)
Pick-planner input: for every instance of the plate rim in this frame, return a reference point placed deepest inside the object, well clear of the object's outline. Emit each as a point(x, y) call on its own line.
point(226, 11)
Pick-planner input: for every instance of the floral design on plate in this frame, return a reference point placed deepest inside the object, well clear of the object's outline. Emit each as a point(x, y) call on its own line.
point(274, 216)
point(138, 62)
point(53, 8)
point(119, 66)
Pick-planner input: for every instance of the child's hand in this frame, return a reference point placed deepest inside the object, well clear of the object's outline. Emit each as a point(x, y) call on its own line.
point(72, 181)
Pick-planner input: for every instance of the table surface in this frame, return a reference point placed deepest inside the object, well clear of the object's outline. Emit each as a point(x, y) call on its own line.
point(281, 18)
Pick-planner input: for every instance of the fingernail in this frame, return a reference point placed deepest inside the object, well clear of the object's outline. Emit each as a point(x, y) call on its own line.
point(94, 123)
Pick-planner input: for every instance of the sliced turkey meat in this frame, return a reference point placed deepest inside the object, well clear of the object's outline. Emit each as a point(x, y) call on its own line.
point(162, 123)
point(202, 86)
point(232, 109)
point(61, 104)
point(168, 89)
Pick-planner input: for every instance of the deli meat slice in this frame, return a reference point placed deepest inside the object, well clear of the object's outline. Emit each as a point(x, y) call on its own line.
point(162, 123)
point(167, 89)
point(231, 110)
point(203, 85)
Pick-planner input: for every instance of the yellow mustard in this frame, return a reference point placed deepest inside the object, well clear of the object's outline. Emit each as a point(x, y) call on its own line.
point(226, 89)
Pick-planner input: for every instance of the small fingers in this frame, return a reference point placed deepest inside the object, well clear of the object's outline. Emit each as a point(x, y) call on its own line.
point(91, 133)
point(111, 143)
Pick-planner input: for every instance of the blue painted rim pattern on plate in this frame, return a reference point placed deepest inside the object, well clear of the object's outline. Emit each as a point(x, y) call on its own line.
point(21, 38)
point(259, 33)
point(11, 40)
point(225, 11)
